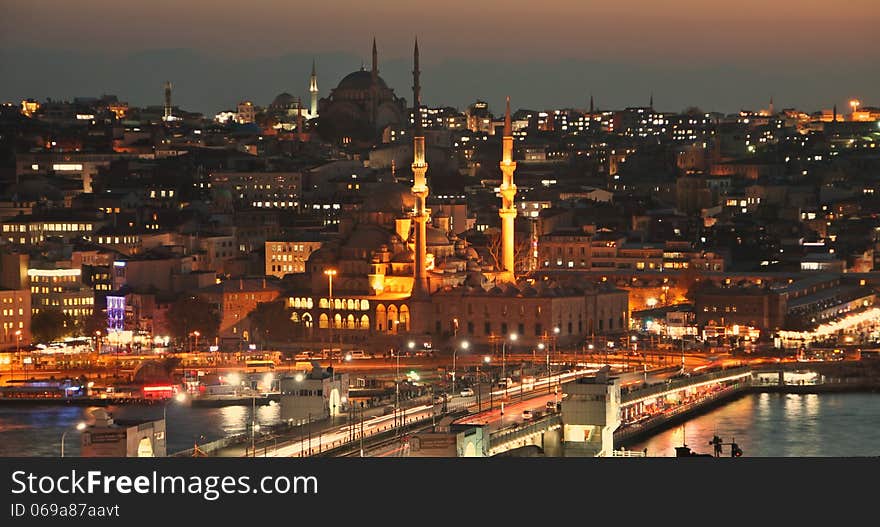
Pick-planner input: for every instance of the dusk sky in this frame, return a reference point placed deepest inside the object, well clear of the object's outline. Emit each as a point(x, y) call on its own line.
point(720, 55)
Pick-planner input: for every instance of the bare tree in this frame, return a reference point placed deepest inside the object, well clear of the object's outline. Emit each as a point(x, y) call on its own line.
point(521, 247)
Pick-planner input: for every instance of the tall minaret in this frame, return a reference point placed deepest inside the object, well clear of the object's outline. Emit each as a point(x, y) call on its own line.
point(770, 109)
point(590, 121)
point(507, 191)
point(420, 187)
point(651, 101)
point(374, 86)
point(167, 100)
point(313, 90)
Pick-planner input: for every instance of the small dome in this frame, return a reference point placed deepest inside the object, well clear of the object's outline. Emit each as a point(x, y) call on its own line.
point(283, 101)
point(436, 237)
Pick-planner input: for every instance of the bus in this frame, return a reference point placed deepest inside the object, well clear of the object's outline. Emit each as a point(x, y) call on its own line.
point(259, 365)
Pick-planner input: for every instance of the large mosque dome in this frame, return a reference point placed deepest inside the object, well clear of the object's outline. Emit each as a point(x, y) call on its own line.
point(359, 80)
point(389, 197)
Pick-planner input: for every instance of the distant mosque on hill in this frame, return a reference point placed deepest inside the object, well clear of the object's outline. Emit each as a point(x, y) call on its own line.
point(397, 270)
point(360, 107)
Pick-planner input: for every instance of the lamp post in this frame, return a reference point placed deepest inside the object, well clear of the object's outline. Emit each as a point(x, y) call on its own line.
point(464, 346)
point(556, 331)
point(330, 274)
point(513, 337)
point(486, 360)
point(542, 347)
point(397, 387)
point(80, 426)
point(17, 347)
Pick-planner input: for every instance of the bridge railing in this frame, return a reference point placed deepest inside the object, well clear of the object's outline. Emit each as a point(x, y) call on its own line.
point(676, 384)
point(509, 434)
point(628, 453)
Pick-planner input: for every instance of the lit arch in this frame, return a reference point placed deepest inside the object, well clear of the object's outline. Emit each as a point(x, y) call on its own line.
point(392, 318)
point(307, 320)
point(349, 321)
point(380, 317)
point(337, 320)
point(323, 321)
point(404, 317)
point(365, 322)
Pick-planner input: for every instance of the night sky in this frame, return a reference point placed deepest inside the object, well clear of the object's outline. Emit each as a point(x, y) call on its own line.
point(720, 55)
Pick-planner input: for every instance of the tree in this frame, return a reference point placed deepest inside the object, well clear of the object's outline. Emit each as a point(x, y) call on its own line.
point(50, 325)
point(190, 313)
point(270, 322)
point(520, 250)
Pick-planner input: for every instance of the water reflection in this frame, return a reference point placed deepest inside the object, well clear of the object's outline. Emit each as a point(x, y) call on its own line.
point(36, 430)
point(764, 425)
point(780, 425)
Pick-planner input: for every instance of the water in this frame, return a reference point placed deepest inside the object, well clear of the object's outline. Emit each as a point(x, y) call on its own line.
point(30, 430)
point(782, 425)
point(768, 425)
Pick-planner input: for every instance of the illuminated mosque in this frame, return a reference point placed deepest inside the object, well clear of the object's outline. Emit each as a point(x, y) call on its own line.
point(395, 270)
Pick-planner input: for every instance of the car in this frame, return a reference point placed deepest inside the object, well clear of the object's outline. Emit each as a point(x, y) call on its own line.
point(467, 392)
point(526, 415)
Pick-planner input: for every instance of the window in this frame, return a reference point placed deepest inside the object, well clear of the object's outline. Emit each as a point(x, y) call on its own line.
point(487, 328)
point(504, 328)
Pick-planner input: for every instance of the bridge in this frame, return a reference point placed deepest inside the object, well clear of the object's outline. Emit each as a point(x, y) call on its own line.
point(596, 412)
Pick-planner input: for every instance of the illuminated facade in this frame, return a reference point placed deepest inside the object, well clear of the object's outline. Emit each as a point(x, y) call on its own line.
point(15, 315)
point(60, 289)
point(263, 190)
point(288, 257)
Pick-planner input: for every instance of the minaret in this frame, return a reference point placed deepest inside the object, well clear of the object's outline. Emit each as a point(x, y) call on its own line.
point(313, 90)
point(590, 121)
point(507, 191)
point(651, 101)
point(770, 109)
point(374, 85)
point(419, 188)
point(167, 100)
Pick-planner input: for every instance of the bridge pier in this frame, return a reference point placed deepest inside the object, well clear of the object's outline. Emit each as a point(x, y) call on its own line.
point(590, 415)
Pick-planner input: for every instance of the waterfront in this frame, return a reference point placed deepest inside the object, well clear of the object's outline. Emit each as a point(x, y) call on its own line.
point(781, 425)
point(29, 430)
point(764, 425)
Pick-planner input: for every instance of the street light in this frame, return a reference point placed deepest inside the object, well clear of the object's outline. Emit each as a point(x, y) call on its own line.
point(80, 426)
point(486, 360)
point(330, 274)
point(17, 346)
point(513, 337)
point(196, 334)
point(464, 346)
